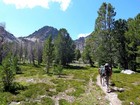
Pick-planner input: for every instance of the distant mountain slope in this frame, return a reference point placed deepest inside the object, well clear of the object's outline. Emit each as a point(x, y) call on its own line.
point(80, 43)
point(7, 35)
point(43, 33)
point(40, 35)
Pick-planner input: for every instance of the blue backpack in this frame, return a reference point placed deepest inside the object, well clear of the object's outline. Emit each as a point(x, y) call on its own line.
point(102, 70)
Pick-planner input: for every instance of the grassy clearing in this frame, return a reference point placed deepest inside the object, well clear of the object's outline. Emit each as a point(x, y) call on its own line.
point(131, 84)
point(39, 88)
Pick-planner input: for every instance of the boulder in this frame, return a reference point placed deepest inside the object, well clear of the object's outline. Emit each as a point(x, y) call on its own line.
point(128, 71)
point(15, 103)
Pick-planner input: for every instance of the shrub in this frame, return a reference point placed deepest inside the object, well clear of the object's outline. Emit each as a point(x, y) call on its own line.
point(58, 69)
point(15, 66)
point(3, 101)
point(5, 98)
point(47, 101)
point(63, 102)
point(7, 74)
point(61, 85)
point(35, 90)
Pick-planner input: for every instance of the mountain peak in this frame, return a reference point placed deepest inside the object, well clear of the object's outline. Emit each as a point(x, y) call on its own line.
point(43, 33)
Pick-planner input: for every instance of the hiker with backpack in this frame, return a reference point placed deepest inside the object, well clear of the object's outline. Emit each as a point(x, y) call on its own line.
point(108, 73)
point(102, 74)
point(105, 73)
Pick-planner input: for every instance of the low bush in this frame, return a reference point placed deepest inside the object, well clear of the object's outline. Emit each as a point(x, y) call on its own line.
point(61, 85)
point(78, 91)
point(64, 102)
point(35, 90)
point(47, 101)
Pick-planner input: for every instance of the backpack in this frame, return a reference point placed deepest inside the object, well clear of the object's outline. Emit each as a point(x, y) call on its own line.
point(102, 70)
point(107, 70)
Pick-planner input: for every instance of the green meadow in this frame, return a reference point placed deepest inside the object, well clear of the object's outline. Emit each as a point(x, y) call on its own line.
point(75, 86)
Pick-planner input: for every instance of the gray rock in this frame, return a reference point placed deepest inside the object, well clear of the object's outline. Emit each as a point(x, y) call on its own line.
point(14, 103)
point(127, 71)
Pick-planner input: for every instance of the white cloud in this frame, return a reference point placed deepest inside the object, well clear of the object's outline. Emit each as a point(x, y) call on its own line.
point(63, 3)
point(20, 4)
point(83, 35)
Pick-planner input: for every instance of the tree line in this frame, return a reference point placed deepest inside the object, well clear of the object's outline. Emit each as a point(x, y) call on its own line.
point(60, 50)
point(114, 41)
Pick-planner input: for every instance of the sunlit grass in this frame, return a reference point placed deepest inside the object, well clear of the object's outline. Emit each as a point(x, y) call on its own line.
point(131, 84)
point(37, 83)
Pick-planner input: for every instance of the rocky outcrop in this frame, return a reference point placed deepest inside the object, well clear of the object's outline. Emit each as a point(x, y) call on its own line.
point(80, 43)
point(8, 37)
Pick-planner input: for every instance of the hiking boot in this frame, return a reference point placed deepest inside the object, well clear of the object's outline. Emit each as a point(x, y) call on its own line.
point(108, 91)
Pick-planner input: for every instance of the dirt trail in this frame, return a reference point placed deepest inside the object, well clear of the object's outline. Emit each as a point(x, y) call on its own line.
point(112, 97)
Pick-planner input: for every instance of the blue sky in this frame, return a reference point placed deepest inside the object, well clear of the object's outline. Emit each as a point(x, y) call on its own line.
point(23, 17)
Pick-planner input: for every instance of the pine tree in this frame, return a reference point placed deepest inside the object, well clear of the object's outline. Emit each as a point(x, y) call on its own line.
point(7, 73)
point(77, 54)
point(133, 37)
point(64, 48)
point(58, 69)
point(120, 28)
point(87, 54)
point(103, 30)
point(14, 65)
point(48, 53)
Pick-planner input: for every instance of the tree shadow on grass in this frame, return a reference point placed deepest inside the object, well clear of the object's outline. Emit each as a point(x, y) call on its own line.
point(75, 67)
point(117, 71)
point(15, 88)
point(138, 71)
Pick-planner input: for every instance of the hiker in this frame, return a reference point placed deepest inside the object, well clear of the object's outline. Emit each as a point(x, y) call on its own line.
point(108, 73)
point(102, 74)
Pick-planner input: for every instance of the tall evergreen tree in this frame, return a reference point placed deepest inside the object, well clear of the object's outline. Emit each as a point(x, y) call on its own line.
point(64, 48)
point(87, 54)
point(103, 29)
point(120, 28)
point(77, 54)
point(48, 53)
point(7, 73)
point(133, 37)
